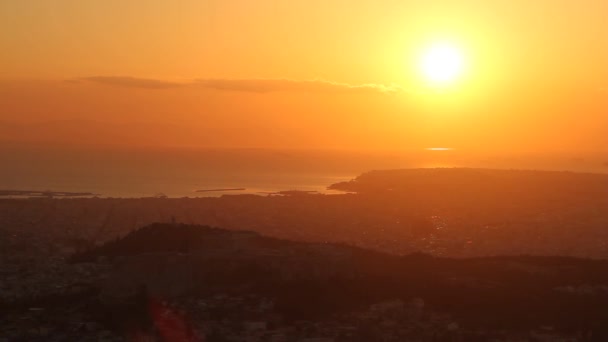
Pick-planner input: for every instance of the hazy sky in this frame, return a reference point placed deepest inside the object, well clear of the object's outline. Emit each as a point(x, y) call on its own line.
point(332, 73)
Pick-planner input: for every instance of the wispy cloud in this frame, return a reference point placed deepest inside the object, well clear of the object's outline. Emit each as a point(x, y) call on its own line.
point(273, 85)
point(247, 85)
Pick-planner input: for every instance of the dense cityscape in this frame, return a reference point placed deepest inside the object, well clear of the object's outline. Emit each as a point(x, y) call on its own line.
point(69, 263)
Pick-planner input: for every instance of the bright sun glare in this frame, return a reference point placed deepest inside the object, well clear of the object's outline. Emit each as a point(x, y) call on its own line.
point(441, 63)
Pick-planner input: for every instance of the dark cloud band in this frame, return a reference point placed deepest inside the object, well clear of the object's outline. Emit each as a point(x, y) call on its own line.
point(248, 85)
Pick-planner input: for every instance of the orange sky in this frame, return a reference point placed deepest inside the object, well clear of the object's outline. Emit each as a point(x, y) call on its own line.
point(337, 74)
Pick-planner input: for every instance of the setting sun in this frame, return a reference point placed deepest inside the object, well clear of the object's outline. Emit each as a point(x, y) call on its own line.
point(441, 63)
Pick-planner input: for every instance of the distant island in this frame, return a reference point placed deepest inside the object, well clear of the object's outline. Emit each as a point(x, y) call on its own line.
point(475, 181)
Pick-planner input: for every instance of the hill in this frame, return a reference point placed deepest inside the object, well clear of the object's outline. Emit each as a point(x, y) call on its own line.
point(319, 280)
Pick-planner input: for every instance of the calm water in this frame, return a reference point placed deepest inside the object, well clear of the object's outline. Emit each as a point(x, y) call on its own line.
point(178, 173)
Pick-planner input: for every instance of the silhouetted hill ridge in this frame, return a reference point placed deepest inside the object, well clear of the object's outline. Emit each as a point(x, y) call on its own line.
point(163, 238)
point(500, 291)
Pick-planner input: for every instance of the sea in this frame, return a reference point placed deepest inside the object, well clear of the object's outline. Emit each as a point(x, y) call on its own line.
point(136, 173)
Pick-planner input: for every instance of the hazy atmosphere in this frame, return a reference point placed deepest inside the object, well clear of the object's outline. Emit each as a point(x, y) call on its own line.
point(303, 171)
